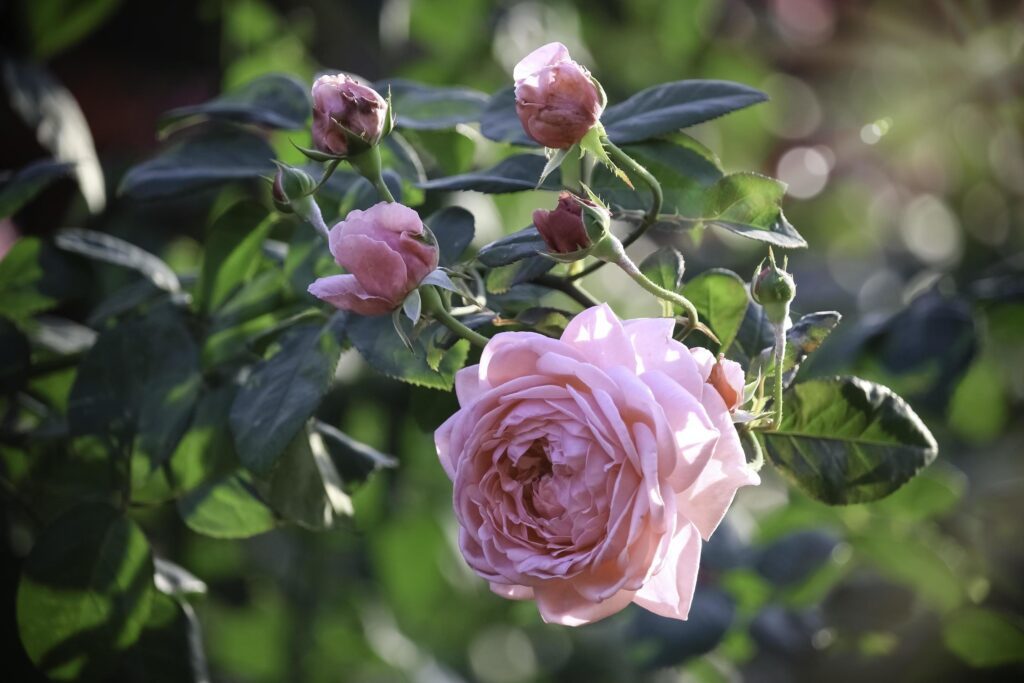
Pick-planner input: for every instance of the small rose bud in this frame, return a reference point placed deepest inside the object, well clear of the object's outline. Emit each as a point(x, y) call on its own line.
point(557, 100)
point(348, 117)
point(727, 378)
point(386, 252)
point(562, 228)
point(774, 289)
point(290, 183)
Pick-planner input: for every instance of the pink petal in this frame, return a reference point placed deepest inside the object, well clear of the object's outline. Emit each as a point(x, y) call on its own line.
point(546, 55)
point(467, 384)
point(669, 591)
point(510, 592)
point(345, 292)
point(657, 350)
point(559, 603)
point(598, 335)
point(379, 268)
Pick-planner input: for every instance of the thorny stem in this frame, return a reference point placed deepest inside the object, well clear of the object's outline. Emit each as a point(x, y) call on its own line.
point(433, 305)
point(620, 157)
point(780, 353)
point(618, 256)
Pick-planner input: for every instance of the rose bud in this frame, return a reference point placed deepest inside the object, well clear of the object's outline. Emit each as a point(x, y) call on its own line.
point(348, 117)
point(774, 289)
point(589, 470)
point(562, 228)
point(386, 254)
point(290, 184)
point(728, 380)
point(557, 100)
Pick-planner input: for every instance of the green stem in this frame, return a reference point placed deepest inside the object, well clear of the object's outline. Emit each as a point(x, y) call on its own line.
point(750, 441)
point(571, 166)
point(434, 306)
point(780, 353)
point(617, 255)
point(620, 157)
point(368, 165)
point(383, 191)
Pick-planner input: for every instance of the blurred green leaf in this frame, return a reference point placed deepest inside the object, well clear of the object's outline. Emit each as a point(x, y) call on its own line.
point(512, 174)
point(15, 359)
point(353, 460)
point(424, 107)
point(915, 559)
point(443, 152)
point(57, 24)
point(522, 244)
point(983, 637)
point(499, 121)
point(844, 440)
point(802, 339)
point(206, 451)
point(453, 228)
point(85, 593)
point(232, 255)
point(19, 272)
point(109, 249)
point(275, 101)
point(375, 339)
point(750, 204)
point(229, 507)
point(199, 161)
point(19, 187)
point(305, 488)
point(754, 336)
point(664, 267)
point(170, 648)
point(174, 580)
point(721, 300)
point(672, 106)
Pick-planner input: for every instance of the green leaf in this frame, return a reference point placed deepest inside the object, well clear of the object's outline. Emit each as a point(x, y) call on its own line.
point(802, 339)
point(844, 440)
point(671, 106)
point(353, 460)
point(19, 273)
point(306, 488)
point(754, 336)
point(138, 384)
point(85, 592)
point(110, 249)
point(282, 392)
point(664, 267)
point(522, 244)
point(274, 101)
point(453, 227)
point(512, 174)
point(21, 186)
point(58, 24)
point(198, 162)
point(170, 649)
point(206, 451)
point(721, 300)
point(229, 507)
point(424, 107)
point(750, 205)
point(375, 339)
point(15, 359)
point(984, 638)
point(233, 254)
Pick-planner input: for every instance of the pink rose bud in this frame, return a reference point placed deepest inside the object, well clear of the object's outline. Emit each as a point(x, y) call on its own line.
point(728, 380)
point(557, 99)
point(348, 117)
point(589, 470)
point(386, 257)
point(562, 228)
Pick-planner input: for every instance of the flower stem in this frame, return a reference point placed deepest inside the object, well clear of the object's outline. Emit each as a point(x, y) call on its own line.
point(750, 441)
point(620, 157)
point(434, 306)
point(368, 165)
point(780, 354)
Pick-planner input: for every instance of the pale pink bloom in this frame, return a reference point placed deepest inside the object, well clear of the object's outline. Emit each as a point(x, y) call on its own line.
point(556, 100)
point(385, 257)
point(340, 102)
point(588, 469)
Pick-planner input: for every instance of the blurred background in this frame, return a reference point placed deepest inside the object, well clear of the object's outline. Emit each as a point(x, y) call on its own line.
point(899, 128)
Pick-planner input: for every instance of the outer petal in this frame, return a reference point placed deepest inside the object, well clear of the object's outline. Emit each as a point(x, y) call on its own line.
point(467, 385)
point(657, 350)
point(598, 335)
point(545, 55)
point(511, 592)
point(669, 592)
point(559, 603)
point(345, 292)
point(379, 268)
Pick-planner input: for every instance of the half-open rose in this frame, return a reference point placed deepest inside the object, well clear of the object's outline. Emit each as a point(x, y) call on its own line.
point(587, 469)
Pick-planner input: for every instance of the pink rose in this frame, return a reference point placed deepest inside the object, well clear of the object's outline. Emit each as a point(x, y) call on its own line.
point(385, 256)
point(587, 469)
point(562, 228)
point(728, 379)
point(339, 103)
point(556, 99)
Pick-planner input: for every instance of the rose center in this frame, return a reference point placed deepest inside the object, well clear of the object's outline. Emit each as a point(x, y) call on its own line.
point(533, 465)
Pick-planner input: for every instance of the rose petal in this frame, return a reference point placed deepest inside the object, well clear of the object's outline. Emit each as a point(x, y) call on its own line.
point(379, 268)
point(559, 603)
point(345, 292)
point(512, 592)
point(598, 335)
point(669, 592)
point(546, 55)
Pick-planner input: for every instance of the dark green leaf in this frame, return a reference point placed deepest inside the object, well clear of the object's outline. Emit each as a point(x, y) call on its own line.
point(802, 339)
point(198, 162)
point(232, 254)
point(282, 392)
point(672, 106)
point(750, 204)
point(58, 24)
point(19, 188)
point(500, 123)
point(19, 272)
point(453, 228)
point(443, 152)
point(664, 267)
point(376, 340)
point(425, 107)
point(229, 507)
point(206, 451)
point(755, 335)
point(170, 649)
point(306, 488)
point(110, 249)
point(138, 385)
point(522, 244)
point(844, 440)
point(721, 300)
point(513, 174)
point(274, 101)
point(353, 460)
point(984, 638)
point(85, 593)
point(15, 358)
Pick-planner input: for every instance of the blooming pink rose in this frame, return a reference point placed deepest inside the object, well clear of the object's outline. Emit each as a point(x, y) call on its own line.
point(562, 228)
point(556, 100)
point(340, 102)
point(587, 469)
point(386, 259)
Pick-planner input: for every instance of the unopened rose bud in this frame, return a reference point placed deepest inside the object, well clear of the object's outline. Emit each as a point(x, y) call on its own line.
point(557, 100)
point(386, 255)
point(727, 378)
point(562, 228)
point(348, 117)
point(774, 289)
point(290, 184)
